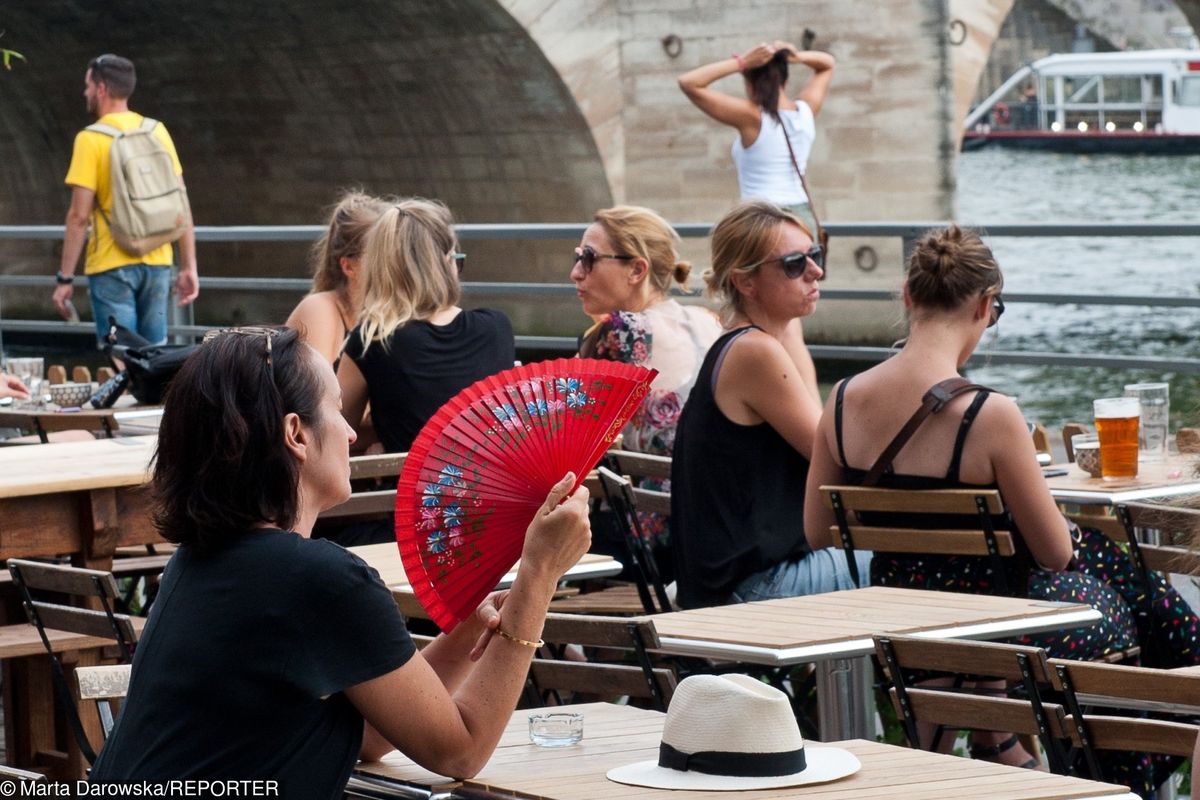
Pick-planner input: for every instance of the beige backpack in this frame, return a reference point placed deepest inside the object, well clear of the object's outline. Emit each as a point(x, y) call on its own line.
point(149, 202)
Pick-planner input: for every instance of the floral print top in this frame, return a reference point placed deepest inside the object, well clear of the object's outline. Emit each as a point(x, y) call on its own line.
point(672, 338)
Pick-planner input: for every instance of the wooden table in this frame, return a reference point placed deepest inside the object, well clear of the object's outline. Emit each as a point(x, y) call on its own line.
point(385, 558)
point(616, 735)
point(79, 498)
point(125, 416)
point(1174, 477)
point(834, 631)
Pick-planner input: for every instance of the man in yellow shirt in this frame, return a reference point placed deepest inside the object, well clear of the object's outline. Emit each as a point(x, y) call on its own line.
point(133, 289)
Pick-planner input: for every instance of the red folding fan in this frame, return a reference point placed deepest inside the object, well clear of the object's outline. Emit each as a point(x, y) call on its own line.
point(482, 466)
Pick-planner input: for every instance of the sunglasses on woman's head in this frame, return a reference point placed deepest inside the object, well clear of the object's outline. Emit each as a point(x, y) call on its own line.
point(252, 331)
point(586, 257)
point(795, 264)
point(997, 310)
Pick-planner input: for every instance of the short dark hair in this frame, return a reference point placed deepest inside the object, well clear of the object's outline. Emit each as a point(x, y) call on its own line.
point(116, 73)
point(222, 467)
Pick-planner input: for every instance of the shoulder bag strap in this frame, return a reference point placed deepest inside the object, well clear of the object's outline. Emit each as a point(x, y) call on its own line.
point(803, 183)
point(932, 402)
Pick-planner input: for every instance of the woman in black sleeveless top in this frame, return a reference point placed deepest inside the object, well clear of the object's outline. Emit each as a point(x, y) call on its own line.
point(979, 440)
point(744, 438)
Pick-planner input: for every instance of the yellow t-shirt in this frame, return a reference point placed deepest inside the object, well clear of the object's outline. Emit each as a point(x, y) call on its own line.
point(90, 169)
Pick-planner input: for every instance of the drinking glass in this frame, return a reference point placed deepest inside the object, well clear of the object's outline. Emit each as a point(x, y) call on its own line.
point(557, 729)
point(1155, 402)
point(1117, 427)
point(1087, 452)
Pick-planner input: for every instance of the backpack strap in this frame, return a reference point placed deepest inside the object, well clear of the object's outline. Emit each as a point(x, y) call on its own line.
point(106, 130)
point(148, 124)
point(932, 402)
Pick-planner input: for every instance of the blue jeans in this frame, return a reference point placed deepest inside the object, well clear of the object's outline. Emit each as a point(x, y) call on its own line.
point(136, 295)
point(819, 572)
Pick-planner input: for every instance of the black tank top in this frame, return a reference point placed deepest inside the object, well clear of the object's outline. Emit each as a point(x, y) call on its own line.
point(737, 494)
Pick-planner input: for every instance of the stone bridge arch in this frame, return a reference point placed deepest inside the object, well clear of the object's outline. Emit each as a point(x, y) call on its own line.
point(509, 110)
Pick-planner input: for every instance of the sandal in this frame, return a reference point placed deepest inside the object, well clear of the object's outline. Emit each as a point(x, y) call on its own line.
point(992, 752)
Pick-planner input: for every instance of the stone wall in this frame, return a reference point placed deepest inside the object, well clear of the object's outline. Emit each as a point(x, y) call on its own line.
point(509, 110)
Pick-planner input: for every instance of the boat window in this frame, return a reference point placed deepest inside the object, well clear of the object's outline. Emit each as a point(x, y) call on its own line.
point(1189, 90)
point(1122, 89)
point(1082, 88)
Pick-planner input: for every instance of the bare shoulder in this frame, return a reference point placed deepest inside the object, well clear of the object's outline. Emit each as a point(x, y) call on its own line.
point(318, 308)
point(1001, 416)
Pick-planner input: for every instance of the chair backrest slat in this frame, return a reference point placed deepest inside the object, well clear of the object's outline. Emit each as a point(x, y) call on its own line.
point(382, 465)
point(978, 712)
point(651, 501)
point(40, 576)
point(84, 621)
point(916, 501)
point(1140, 735)
point(941, 541)
point(590, 630)
point(1123, 682)
point(963, 656)
point(641, 465)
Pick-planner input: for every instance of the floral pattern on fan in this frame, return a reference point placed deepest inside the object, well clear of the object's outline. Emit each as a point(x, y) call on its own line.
point(481, 468)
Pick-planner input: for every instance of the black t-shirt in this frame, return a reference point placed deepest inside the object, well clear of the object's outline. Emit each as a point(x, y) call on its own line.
point(424, 365)
point(240, 672)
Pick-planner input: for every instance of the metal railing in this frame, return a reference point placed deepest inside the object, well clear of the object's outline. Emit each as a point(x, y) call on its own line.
point(907, 232)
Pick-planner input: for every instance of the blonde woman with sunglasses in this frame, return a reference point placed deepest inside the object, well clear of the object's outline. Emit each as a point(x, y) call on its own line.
point(746, 434)
point(624, 268)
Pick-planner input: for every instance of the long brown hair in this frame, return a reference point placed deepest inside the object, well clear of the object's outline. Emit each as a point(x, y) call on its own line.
point(767, 80)
point(344, 236)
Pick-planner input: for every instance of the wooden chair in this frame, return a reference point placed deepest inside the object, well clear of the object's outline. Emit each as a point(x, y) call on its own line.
point(22, 776)
point(604, 639)
point(1087, 685)
point(94, 593)
point(104, 684)
point(979, 506)
point(965, 706)
point(648, 594)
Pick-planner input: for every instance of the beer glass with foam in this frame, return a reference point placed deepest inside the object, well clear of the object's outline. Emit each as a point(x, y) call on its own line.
point(1117, 427)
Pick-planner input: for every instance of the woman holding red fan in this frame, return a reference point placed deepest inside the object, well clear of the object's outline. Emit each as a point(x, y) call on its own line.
point(623, 272)
point(270, 655)
point(745, 437)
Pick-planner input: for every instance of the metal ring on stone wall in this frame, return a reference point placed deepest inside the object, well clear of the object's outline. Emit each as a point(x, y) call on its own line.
point(958, 32)
point(865, 258)
point(673, 45)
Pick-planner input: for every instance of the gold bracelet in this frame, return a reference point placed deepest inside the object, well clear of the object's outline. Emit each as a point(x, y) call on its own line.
point(505, 635)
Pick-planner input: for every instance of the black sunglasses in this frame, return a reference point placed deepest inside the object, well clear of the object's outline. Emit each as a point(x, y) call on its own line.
point(795, 264)
point(997, 310)
point(587, 257)
point(460, 260)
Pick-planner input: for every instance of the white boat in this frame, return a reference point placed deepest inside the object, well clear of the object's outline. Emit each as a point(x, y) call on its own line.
point(1145, 101)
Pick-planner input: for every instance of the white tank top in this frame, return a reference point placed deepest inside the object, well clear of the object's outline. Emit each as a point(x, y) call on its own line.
point(765, 168)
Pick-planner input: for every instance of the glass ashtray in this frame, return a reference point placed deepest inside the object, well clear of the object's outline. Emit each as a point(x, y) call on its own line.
point(555, 729)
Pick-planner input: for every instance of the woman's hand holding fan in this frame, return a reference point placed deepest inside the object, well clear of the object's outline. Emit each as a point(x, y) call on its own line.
point(557, 538)
point(480, 470)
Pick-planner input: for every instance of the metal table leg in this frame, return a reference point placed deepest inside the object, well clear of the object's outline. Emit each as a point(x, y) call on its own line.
point(846, 699)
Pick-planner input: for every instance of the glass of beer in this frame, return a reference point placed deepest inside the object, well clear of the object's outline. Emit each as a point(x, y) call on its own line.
point(1117, 427)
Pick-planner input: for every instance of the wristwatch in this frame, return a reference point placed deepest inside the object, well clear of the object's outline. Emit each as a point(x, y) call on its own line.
point(65, 280)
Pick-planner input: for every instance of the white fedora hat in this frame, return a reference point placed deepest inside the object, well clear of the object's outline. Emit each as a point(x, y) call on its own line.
point(731, 733)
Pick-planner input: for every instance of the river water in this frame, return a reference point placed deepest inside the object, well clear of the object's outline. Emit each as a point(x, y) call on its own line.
point(1009, 186)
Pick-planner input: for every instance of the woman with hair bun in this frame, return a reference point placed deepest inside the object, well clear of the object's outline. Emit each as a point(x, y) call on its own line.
point(979, 439)
point(330, 311)
point(746, 434)
point(625, 266)
point(772, 128)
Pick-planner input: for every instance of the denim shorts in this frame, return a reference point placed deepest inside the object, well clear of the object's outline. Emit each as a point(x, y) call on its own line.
point(136, 295)
point(819, 572)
